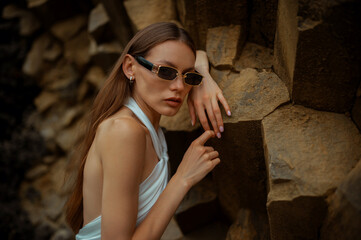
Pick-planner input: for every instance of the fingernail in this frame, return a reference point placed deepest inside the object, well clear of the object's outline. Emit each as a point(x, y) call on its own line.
point(221, 129)
point(192, 122)
point(218, 135)
point(229, 113)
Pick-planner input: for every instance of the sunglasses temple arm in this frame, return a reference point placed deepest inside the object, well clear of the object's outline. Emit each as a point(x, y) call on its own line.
point(148, 65)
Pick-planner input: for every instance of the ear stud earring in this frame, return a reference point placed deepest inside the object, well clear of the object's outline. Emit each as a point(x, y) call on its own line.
point(131, 80)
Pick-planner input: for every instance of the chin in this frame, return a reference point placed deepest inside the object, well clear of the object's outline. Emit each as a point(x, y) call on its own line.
point(169, 112)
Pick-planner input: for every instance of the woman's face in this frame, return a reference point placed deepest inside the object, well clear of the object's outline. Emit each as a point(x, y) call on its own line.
point(164, 96)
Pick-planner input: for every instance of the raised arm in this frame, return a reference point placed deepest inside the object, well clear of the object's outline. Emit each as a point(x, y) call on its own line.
point(205, 97)
point(122, 158)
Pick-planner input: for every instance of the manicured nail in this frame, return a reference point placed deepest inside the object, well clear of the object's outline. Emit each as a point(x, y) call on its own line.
point(221, 129)
point(229, 113)
point(218, 135)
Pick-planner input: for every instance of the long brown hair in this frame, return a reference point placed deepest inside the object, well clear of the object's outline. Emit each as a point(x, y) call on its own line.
point(111, 98)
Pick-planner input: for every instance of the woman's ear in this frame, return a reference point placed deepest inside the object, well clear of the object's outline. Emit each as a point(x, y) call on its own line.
point(128, 66)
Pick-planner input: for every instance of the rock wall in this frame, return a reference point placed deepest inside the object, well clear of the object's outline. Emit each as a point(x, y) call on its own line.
point(290, 151)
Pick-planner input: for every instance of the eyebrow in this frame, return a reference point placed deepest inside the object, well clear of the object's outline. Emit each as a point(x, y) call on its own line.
point(173, 65)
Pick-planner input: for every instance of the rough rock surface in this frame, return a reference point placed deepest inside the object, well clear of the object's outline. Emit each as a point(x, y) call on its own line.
point(66, 29)
point(28, 22)
point(34, 61)
point(251, 94)
point(263, 17)
point(309, 39)
point(222, 45)
point(356, 109)
point(344, 214)
point(198, 16)
point(105, 55)
point(308, 153)
point(99, 25)
point(198, 207)
point(241, 175)
point(119, 20)
point(77, 49)
point(145, 12)
point(250, 225)
point(254, 56)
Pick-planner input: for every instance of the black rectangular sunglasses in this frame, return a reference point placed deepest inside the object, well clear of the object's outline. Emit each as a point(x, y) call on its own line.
point(170, 73)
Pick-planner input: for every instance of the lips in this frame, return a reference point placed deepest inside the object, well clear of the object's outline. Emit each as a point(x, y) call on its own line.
point(174, 99)
point(173, 102)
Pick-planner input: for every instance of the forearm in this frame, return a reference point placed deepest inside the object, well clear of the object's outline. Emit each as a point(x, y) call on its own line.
point(154, 225)
point(202, 64)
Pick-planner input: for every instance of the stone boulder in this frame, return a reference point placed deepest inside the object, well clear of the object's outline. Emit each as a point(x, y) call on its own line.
point(343, 220)
point(119, 20)
point(254, 56)
point(77, 49)
point(105, 55)
point(250, 225)
point(172, 232)
point(198, 16)
point(222, 45)
point(262, 24)
point(356, 109)
point(99, 26)
point(28, 22)
point(67, 29)
point(60, 77)
point(45, 100)
point(241, 176)
point(199, 207)
point(44, 197)
point(308, 153)
point(52, 11)
point(317, 52)
point(251, 94)
point(34, 60)
point(145, 12)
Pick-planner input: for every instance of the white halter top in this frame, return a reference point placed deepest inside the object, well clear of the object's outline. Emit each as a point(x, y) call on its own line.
point(150, 188)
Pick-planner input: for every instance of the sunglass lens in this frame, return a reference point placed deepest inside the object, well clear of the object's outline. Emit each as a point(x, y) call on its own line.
point(167, 73)
point(193, 78)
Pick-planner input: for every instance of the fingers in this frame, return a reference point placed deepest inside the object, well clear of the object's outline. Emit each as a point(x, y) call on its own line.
point(202, 139)
point(211, 155)
point(224, 103)
point(213, 120)
point(202, 117)
point(218, 115)
point(192, 111)
point(209, 148)
point(216, 161)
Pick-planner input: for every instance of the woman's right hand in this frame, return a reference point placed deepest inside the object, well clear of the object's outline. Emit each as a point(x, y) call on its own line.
point(198, 160)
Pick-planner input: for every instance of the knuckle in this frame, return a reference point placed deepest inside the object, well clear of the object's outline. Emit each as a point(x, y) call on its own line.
point(216, 110)
point(197, 103)
point(204, 121)
point(210, 166)
point(206, 97)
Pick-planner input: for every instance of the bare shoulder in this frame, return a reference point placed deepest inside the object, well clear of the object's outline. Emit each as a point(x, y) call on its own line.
point(121, 132)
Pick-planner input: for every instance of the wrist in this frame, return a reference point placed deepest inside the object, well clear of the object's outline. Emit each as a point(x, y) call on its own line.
point(202, 69)
point(201, 64)
point(181, 183)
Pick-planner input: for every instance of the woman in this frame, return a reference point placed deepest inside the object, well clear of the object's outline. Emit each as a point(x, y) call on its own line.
point(122, 189)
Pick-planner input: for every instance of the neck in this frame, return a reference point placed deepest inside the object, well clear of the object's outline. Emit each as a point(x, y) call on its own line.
point(153, 116)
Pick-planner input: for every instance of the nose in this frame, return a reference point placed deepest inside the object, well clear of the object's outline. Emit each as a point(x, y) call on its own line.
point(177, 83)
